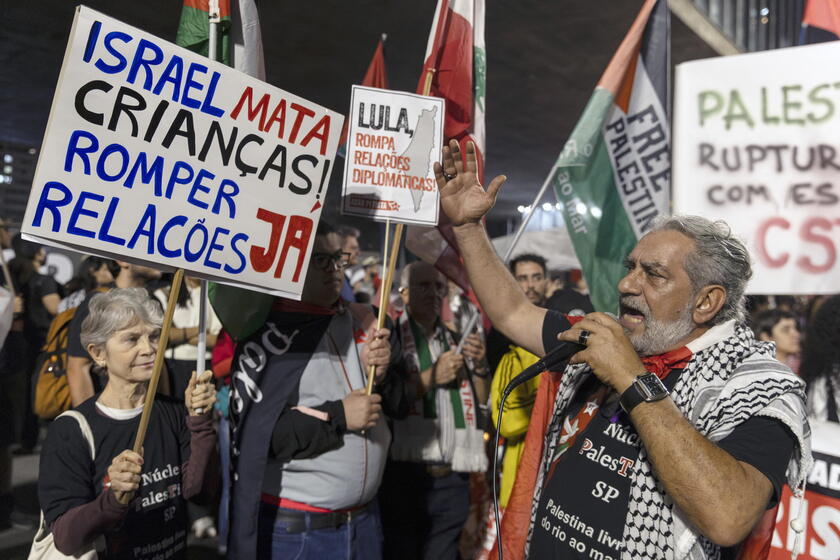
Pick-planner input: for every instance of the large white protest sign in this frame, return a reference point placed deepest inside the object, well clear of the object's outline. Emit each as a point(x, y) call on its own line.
point(757, 143)
point(392, 142)
point(156, 155)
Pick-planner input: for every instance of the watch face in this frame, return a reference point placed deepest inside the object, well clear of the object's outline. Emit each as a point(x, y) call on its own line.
point(651, 387)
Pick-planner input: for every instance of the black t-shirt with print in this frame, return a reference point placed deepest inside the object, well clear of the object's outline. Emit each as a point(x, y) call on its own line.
point(155, 525)
point(584, 501)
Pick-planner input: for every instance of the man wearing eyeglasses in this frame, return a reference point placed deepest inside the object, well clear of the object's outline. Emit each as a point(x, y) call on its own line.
point(309, 445)
point(425, 495)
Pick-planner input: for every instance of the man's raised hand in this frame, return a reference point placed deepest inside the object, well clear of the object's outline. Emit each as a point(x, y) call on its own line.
point(462, 197)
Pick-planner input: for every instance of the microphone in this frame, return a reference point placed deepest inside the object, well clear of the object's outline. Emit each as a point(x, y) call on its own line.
point(557, 356)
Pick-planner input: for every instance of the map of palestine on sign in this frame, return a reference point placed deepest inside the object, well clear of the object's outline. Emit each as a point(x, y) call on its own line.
point(393, 140)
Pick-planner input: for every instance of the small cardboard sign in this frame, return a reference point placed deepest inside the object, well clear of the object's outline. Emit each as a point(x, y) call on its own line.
point(393, 139)
point(156, 155)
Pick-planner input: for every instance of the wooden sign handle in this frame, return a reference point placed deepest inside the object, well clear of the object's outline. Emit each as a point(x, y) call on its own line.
point(385, 295)
point(151, 391)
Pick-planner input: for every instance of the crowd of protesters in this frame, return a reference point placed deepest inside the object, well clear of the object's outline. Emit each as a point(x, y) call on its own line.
point(313, 462)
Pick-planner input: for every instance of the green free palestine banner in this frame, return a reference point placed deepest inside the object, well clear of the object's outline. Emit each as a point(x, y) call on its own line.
point(613, 176)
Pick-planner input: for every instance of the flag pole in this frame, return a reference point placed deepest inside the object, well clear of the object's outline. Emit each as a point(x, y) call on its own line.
point(395, 247)
point(213, 18)
point(151, 391)
point(528, 216)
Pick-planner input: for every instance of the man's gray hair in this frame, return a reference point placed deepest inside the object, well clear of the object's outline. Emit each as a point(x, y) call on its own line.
point(719, 258)
point(405, 273)
point(116, 310)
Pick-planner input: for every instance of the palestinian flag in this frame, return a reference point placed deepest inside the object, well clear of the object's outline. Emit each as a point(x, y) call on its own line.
point(194, 27)
point(455, 56)
point(613, 176)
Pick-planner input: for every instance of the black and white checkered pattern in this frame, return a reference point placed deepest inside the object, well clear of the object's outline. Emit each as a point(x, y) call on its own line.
point(721, 387)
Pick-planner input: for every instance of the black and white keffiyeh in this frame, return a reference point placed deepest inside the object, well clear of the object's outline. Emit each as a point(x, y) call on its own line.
point(730, 378)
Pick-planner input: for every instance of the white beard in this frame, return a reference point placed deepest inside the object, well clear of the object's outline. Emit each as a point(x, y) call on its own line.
point(658, 336)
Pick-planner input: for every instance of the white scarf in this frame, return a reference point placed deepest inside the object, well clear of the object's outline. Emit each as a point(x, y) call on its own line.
point(439, 439)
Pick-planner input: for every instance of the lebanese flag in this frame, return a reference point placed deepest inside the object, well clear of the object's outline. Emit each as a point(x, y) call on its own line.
point(239, 35)
point(377, 77)
point(241, 311)
point(456, 57)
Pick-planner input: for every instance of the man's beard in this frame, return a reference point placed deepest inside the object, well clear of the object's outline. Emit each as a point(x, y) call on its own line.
point(658, 336)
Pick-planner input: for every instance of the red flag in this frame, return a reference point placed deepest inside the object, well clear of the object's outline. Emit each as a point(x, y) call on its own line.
point(455, 57)
point(376, 76)
point(824, 14)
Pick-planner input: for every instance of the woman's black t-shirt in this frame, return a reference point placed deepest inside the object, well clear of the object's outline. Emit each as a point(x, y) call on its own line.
point(155, 524)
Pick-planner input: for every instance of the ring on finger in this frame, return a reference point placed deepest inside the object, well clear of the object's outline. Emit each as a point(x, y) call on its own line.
point(583, 337)
point(449, 176)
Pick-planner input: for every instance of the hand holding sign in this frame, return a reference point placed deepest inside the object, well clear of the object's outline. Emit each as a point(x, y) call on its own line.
point(124, 475)
point(377, 353)
point(200, 395)
point(462, 197)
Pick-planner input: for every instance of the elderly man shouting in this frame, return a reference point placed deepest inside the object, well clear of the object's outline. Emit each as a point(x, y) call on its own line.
point(671, 433)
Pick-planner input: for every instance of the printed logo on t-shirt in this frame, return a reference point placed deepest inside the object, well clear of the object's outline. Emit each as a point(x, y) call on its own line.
point(156, 497)
point(581, 512)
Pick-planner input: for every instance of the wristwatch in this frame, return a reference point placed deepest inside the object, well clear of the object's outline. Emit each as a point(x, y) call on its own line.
point(646, 388)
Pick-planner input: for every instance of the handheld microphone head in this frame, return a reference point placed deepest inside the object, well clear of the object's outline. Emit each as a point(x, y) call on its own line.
point(557, 356)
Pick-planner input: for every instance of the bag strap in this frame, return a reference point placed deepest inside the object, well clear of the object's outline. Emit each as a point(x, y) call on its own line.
point(56, 335)
point(43, 547)
point(85, 427)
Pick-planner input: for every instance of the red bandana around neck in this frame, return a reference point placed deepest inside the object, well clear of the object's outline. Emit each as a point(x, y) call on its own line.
point(662, 364)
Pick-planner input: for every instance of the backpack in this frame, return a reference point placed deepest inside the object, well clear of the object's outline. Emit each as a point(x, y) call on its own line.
point(52, 392)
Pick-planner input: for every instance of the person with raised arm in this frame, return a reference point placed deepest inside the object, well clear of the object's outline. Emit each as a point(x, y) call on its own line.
point(672, 432)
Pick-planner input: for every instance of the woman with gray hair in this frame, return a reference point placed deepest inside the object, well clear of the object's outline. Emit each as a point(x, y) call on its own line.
point(137, 502)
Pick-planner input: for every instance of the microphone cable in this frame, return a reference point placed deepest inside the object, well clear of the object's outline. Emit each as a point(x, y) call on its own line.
point(560, 355)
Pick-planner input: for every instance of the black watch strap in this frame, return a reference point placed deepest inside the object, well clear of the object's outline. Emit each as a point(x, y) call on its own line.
point(646, 388)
